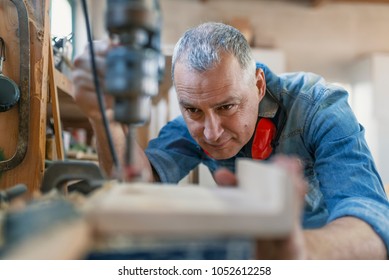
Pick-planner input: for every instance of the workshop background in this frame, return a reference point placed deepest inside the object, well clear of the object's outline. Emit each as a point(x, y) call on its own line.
point(345, 41)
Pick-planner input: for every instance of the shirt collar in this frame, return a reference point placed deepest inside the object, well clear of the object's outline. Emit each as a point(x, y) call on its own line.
point(268, 107)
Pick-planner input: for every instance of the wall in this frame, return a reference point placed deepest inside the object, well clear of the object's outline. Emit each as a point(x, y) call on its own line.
point(325, 39)
point(370, 99)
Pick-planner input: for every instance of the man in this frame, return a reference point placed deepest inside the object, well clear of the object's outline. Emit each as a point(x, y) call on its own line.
point(232, 107)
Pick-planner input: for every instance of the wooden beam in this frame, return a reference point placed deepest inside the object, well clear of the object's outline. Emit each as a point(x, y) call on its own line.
point(363, 1)
point(318, 3)
point(30, 170)
point(55, 107)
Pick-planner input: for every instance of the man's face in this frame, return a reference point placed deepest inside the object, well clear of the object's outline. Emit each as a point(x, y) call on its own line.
point(219, 106)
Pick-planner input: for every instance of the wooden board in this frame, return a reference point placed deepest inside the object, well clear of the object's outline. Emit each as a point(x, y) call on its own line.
point(30, 170)
point(263, 206)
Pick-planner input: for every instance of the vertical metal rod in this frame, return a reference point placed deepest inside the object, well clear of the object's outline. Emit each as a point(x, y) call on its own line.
point(132, 169)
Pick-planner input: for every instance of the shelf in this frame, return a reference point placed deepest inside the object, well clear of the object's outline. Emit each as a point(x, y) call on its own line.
point(69, 111)
point(63, 83)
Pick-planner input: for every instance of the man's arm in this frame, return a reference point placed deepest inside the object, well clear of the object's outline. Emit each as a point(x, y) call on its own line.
point(344, 238)
point(350, 185)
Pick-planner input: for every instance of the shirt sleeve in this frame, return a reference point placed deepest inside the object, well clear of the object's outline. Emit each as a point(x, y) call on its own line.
point(174, 153)
point(344, 166)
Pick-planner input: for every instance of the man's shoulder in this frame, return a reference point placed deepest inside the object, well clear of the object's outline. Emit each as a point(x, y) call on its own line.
point(302, 80)
point(177, 122)
point(311, 87)
point(176, 127)
point(292, 82)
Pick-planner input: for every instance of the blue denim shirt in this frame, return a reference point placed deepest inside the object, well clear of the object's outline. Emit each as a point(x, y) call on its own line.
point(321, 130)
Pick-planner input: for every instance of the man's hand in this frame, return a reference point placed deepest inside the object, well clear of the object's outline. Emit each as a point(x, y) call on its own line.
point(292, 247)
point(84, 91)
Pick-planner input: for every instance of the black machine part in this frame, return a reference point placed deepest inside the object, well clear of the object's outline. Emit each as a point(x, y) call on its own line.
point(13, 192)
point(136, 65)
point(87, 174)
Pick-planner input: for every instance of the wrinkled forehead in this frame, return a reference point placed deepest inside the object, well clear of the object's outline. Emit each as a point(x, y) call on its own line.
point(226, 79)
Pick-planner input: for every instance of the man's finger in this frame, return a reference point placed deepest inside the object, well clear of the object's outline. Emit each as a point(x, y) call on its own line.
point(224, 177)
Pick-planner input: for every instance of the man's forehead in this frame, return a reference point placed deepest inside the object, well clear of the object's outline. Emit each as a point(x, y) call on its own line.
point(217, 99)
point(199, 66)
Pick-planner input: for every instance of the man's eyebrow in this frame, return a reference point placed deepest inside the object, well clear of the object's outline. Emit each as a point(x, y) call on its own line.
point(185, 104)
point(229, 100)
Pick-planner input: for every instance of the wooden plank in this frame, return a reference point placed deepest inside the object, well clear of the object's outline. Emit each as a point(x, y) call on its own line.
point(55, 107)
point(9, 120)
point(70, 113)
point(30, 170)
point(262, 206)
point(363, 1)
point(63, 83)
point(318, 3)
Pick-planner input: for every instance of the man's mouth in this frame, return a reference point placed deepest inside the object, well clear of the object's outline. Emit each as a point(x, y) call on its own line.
point(218, 146)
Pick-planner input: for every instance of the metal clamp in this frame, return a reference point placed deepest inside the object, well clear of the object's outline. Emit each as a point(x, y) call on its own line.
point(61, 172)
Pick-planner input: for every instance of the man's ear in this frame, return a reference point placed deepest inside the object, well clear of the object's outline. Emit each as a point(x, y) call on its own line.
point(261, 82)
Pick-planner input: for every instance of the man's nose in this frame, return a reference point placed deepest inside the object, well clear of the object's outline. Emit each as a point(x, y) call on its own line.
point(212, 128)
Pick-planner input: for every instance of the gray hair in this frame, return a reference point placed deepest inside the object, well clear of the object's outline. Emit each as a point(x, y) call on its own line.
point(200, 48)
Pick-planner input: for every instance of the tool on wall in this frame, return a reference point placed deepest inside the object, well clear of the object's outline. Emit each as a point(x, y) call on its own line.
point(24, 102)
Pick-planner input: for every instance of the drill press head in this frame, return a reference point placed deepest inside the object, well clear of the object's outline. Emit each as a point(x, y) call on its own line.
point(135, 65)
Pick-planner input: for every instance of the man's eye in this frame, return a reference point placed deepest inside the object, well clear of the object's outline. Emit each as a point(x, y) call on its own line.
point(192, 110)
point(226, 107)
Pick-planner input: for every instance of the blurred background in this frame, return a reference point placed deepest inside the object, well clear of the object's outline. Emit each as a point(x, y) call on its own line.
point(345, 41)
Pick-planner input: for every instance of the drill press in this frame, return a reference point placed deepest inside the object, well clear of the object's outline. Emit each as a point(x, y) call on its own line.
point(135, 65)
